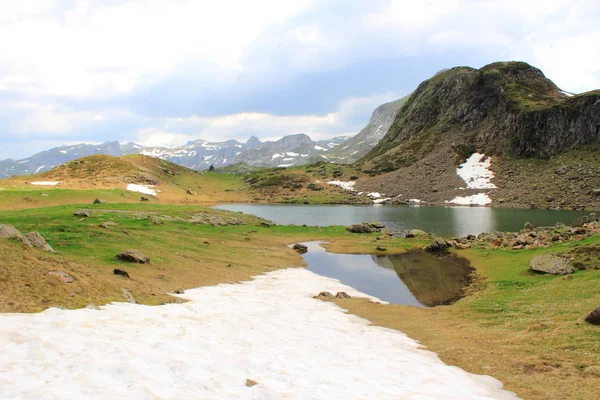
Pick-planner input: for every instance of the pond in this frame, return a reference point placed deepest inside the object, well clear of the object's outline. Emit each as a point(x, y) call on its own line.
point(417, 279)
point(448, 221)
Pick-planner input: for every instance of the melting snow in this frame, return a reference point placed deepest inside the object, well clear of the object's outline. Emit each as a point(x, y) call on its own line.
point(146, 189)
point(45, 183)
point(62, 151)
point(567, 93)
point(295, 348)
point(343, 185)
point(276, 155)
point(285, 165)
point(39, 169)
point(381, 201)
point(317, 147)
point(480, 199)
point(374, 195)
point(416, 201)
point(292, 154)
point(475, 172)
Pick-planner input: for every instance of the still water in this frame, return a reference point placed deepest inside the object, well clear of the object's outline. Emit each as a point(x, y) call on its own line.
point(449, 221)
point(417, 279)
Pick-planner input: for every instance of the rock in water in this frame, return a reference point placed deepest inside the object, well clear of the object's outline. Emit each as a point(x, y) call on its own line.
point(529, 226)
point(300, 248)
point(593, 318)
point(134, 256)
point(551, 264)
point(36, 240)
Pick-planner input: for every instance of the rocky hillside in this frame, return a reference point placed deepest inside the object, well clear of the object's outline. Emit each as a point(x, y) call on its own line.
point(358, 146)
point(534, 137)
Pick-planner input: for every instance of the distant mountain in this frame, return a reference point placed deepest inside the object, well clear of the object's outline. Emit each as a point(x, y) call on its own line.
point(198, 155)
point(358, 146)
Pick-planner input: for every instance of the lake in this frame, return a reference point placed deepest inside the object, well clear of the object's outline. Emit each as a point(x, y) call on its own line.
point(449, 221)
point(417, 279)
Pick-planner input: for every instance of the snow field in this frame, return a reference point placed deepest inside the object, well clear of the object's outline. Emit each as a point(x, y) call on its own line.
point(145, 189)
point(269, 330)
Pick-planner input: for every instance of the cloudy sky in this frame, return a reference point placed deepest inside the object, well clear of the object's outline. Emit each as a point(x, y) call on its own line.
point(162, 72)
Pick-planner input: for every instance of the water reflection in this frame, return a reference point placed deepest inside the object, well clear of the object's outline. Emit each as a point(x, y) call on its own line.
point(450, 221)
point(415, 279)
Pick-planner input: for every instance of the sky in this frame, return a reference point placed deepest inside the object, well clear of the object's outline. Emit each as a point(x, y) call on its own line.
point(164, 72)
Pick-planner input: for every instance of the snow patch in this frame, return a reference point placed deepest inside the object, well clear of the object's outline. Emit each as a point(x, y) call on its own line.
point(39, 169)
point(381, 201)
point(62, 151)
point(475, 172)
point(416, 201)
point(291, 154)
point(45, 183)
point(374, 195)
point(343, 185)
point(208, 347)
point(480, 199)
point(319, 148)
point(285, 165)
point(276, 155)
point(146, 189)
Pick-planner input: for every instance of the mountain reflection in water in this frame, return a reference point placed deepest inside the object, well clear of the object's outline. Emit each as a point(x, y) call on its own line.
point(418, 279)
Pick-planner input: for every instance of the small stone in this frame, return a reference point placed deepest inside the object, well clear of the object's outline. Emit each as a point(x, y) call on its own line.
point(381, 248)
point(250, 383)
point(63, 276)
point(529, 226)
point(191, 192)
point(300, 248)
point(117, 271)
point(128, 296)
point(134, 256)
point(228, 265)
point(342, 295)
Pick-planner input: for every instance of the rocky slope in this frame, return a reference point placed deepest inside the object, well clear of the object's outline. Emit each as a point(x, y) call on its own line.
point(358, 146)
point(508, 111)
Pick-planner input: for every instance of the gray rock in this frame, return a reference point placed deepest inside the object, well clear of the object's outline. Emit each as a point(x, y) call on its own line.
point(128, 296)
point(9, 231)
point(579, 222)
point(81, 213)
point(438, 245)
point(34, 239)
point(376, 225)
point(360, 228)
point(134, 256)
point(593, 318)
point(381, 248)
point(107, 224)
point(63, 276)
point(300, 248)
point(99, 201)
point(551, 264)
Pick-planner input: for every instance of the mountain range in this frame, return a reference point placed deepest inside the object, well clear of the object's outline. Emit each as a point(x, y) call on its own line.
point(291, 150)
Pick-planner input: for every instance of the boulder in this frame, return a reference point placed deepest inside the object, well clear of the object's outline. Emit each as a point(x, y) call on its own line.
point(551, 264)
point(300, 248)
point(134, 256)
point(81, 213)
point(117, 271)
point(376, 224)
point(99, 201)
point(579, 222)
point(190, 192)
point(9, 231)
point(360, 228)
point(342, 295)
point(593, 318)
point(107, 224)
point(179, 291)
point(529, 226)
point(34, 239)
point(381, 248)
point(438, 245)
point(144, 198)
point(418, 233)
point(63, 276)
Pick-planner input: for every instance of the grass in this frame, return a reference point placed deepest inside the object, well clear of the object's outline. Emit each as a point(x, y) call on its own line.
point(524, 329)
